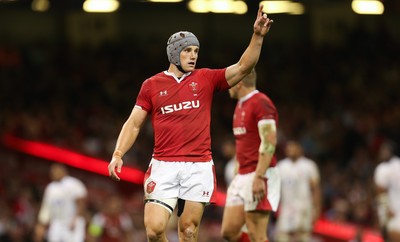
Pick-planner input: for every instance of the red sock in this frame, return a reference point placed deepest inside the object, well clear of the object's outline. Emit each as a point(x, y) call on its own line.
point(244, 237)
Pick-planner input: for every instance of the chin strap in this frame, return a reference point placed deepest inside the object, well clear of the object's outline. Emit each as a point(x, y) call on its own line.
point(181, 69)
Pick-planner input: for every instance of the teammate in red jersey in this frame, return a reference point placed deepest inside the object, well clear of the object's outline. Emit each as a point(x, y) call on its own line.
point(179, 103)
point(255, 190)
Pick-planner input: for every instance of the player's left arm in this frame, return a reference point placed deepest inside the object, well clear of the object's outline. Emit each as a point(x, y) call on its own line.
point(381, 177)
point(81, 206)
point(80, 203)
point(382, 202)
point(249, 58)
point(43, 218)
point(268, 136)
point(316, 196)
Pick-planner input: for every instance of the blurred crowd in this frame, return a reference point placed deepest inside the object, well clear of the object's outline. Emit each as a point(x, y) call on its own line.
point(341, 102)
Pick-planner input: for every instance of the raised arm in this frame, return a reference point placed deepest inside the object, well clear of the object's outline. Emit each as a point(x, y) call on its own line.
point(126, 139)
point(249, 59)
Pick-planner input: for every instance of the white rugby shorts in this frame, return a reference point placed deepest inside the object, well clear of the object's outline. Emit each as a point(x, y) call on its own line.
point(61, 231)
point(240, 191)
point(394, 223)
point(191, 181)
point(292, 219)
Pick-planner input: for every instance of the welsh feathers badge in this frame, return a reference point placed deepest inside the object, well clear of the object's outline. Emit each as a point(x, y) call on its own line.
point(150, 187)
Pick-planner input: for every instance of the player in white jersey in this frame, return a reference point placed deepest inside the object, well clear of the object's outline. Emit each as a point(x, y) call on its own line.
point(387, 181)
point(179, 103)
point(300, 195)
point(61, 215)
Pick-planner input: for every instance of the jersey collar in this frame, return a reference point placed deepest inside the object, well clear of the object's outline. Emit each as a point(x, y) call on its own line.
point(248, 96)
point(178, 80)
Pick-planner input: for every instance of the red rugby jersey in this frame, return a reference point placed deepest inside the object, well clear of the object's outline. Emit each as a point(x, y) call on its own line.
point(181, 112)
point(249, 111)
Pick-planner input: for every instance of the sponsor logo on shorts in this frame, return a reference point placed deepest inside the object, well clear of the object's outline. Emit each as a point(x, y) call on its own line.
point(150, 187)
point(206, 194)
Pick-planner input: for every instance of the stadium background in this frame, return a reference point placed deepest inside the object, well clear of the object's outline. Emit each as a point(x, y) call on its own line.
point(69, 79)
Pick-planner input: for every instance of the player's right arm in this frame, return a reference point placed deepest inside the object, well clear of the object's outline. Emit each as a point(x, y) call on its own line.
point(316, 197)
point(382, 202)
point(268, 136)
point(126, 139)
point(43, 218)
point(382, 199)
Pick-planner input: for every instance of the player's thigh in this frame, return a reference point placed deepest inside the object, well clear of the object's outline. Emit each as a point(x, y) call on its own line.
point(257, 221)
point(394, 235)
point(233, 219)
point(192, 214)
point(156, 217)
point(393, 229)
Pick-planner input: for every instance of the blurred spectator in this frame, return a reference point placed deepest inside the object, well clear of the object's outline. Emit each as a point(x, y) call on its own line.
point(339, 211)
point(112, 224)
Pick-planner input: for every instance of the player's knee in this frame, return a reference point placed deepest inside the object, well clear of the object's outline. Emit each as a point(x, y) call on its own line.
point(188, 230)
point(254, 236)
point(225, 234)
point(394, 235)
point(229, 234)
point(154, 231)
point(154, 234)
point(282, 237)
point(303, 236)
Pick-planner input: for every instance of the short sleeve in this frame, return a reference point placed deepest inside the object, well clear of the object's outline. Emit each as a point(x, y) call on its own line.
point(143, 99)
point(217, 78)
point(81, 191)
point(313, 171)
point(380, 176)
point(264, 110)
point(77, 188)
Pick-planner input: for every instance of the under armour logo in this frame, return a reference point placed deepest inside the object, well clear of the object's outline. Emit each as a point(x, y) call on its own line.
point(163, 93)
point(206, 194)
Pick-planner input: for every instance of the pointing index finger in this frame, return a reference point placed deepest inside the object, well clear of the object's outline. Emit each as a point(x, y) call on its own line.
point(260, 10)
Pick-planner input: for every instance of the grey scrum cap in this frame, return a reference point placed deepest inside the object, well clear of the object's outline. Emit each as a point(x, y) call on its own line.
point(177, 42)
